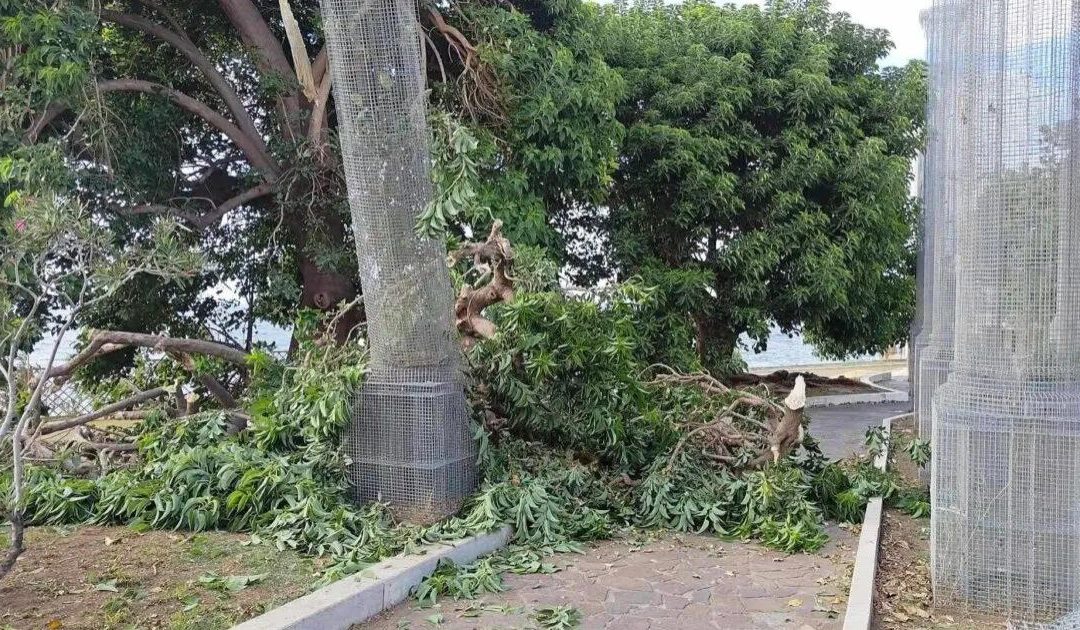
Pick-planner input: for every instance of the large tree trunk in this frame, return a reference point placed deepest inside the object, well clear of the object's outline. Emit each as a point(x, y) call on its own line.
point(327, 290)
point(323, 288)
point(715, 343)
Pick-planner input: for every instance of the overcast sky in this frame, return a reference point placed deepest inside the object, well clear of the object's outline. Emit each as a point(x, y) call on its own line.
point(899, 17)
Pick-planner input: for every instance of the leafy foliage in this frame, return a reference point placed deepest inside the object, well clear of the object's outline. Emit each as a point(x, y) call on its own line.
point(581, 450)
point(876, 441)
point(557, 617)
point(554, 147)
point(766, 149)
point(919, 451)
point(283, 479)
point(455, 176)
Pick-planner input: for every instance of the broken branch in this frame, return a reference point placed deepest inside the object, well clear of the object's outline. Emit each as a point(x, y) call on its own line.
point(491, 259)
point(127, 403)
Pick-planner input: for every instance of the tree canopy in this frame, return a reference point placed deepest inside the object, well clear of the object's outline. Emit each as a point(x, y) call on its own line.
point(751, 163)
point(766, 151)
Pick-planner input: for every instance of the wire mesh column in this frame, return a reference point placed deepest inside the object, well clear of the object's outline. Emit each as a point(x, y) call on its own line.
point(1005, 534)
point(937, 280)
point(409, 440)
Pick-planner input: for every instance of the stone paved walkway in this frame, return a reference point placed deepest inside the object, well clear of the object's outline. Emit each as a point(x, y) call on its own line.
point(680, 582)
point(677, 582)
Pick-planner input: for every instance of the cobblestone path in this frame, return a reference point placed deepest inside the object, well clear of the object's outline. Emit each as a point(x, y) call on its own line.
point(675, 582)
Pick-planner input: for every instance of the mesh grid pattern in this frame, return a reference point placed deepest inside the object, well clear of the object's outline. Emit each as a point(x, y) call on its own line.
point(1005, 533)
point(409, 440)
point(937, 285)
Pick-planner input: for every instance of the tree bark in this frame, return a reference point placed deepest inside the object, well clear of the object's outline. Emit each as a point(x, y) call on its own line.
point(127, 403)
point(325, 290)
point(17, 546)
point(715, 343)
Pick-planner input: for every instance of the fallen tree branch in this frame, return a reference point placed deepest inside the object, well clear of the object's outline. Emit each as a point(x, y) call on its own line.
point(237, 421)
point(113, 447)
point(93, 350)
point(780, 434)
point(127, 403)
point(105, 341)
point(723, 419)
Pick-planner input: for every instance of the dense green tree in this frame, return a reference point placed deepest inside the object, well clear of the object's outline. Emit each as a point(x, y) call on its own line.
point(767, 150)
point(200, 110)
point(760, 156)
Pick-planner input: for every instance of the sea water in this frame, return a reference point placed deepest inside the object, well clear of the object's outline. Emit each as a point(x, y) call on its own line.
point(783, 350)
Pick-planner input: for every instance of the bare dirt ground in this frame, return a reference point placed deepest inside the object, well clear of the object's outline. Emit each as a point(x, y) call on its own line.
point(112, 577)
point(903, 597)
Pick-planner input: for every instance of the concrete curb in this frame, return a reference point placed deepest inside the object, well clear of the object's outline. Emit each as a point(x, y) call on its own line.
point(883, 395)
point(860, 605)
point(360, 597)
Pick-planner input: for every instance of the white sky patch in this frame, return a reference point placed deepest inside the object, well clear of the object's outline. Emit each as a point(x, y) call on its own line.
point(899, 17)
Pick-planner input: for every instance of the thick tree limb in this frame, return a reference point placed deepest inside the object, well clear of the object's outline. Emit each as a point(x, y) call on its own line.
point(248, 145)
point(269, 54)
point(91, 351)
point(115, 447)
point(182, 43)
point(173, 344)
point(319, 113)
point(320, 66)
point(127, 403)
point(298, 48)
point(204, 220)
point(106, 341)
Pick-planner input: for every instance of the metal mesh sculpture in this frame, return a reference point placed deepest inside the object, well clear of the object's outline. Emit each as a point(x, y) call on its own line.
point(409, 440)
point(1005, 533)
point(933, 346)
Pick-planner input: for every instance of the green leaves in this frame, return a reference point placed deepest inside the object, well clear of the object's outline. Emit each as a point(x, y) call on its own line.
point(767, 149)
point(230, 583)
point(465, 582)
point(455, 178)
point(557, 617)
point(919, 451)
